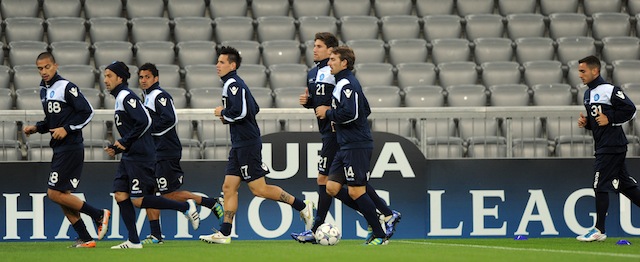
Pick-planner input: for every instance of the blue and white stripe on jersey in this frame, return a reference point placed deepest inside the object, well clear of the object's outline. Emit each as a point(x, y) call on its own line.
point(122, 95)
point(234, 89)
point(56, 92)
point(602, 94)
point(337, 94)
point(149, 102)
point(324, 76)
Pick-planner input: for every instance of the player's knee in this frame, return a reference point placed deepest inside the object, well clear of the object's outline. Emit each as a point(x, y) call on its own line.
point(120, 196)
point(322, 180)
point(333, 190)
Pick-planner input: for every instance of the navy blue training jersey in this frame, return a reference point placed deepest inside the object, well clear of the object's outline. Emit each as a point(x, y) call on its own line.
point(320, 85)
point(240, 110)
point(133, 123)
point(350, 110)
point(164, 120)
point(64, 106)
point(617, 106)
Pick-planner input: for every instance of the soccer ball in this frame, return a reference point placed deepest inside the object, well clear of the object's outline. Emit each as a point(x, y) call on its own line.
point(328, 235)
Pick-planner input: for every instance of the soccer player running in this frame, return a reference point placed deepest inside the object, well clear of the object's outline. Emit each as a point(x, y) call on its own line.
point(608, 108)
point(168, 173)
point(66, 111)
point(135, 175)
point(319, 90)
point(239, 110)
point(349, 112)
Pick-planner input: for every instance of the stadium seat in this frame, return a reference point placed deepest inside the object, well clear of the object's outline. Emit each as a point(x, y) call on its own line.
point(548, 7)
point(595, 6)
point(233, 28)
point(387, 8)
point(450, 50)
point(301, 125)
point(71, 52)
point(263, 97)
point(399, 126)
point(19, 8)
point(310, 25)
point(5, 77)
point(28, 98)
point(201, 76)
point(368, 50)
point(133, 80)
point(254, 75)
point(441, 26)
point(84, 76)
point(25, 52)
point(500, 72)
point(249, 50)
point(287, 75)
point(466, 95)
point(626, 71)
point(423, 96)
point(574, 80)
point(61, 8)
point(185, 8)
point(444, 147)
point(525, 25)
point(106, 52)
point(108, 29)
point(192, 29)
point(288, 97)
point(94, 97)
point(552, 95)
point(509, 95)
point(574, 48)
point(39, 150)
point(275, 28)
point(65, 29)
point(6, 95)
point(478, 129)
point(150, 29)
point(169, 75)
point(342, 8)
point(26, 76)
point(358, 27)
point(492, 49)
point(467, 7)
point(489, 147)
point(383, 96)
point(216, 149)
point(262, 8)
point(191, 149)
point(197, 52)
point(109, 102)
point(457, 73)
point(440, 131)
point(220, 8)
point(620, 47)
point(206, 97)
point(156, 52)
point(542, 72)
point(508, 7)
point(567, 24)
point(434, 7)
point(2, 53)
point(534, 49)
point(145, 8)
point(10, 150)
point(302, 8)
point(408, 51)
point(185, 128)
point(530, 148)
point(179, 96)
point(416, 74)
point(632, 90)
point(483, 25)
point(610, 24)
point(374, 74)
point(400, 27)
point(280, 52)
point(101, 8)
point(23, 29)
point(574, 146)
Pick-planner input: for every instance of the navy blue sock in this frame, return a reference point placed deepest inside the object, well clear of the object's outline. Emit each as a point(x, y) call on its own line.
point(129, 217)
point(378, 201)
point(225, 228)
point(208, 202)
point(324, 203)
point(81, 229)
point(156, 231)
point(343, 195)
point(602, 205)
point(298, 204)
point(93, 212)
point(163, 203)
point(368, 210)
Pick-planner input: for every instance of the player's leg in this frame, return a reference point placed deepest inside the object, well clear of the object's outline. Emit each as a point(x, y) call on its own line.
point(629, 186)
point(170, 178)
point(605, 170)
point(230, 190)
point(391, 217)
point(153, 215)
point(122, 186)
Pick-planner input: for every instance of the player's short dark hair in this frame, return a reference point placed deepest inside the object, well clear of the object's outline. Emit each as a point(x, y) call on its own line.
point(345, 53)
point(149, 67)
point(45, 55)
point(232, 54)
point(327, 38)
point(591, 61)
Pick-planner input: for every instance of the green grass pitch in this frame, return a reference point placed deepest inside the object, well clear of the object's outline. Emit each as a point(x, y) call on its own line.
point(503, 249)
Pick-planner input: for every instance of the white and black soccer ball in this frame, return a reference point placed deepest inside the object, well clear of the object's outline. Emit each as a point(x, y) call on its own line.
point(328, 235)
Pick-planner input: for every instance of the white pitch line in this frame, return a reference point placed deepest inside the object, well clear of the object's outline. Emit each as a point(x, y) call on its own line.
point(523, 249)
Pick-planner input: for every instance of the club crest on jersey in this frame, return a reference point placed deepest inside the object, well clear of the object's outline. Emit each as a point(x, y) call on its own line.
point(620, 94)
point(347, 92)
point(163, 101)
point(52, 94)
point(596, 97)
point(132, 102)
point(234, 90)
point(74, 91)
point(74, 182)
point(321, 77)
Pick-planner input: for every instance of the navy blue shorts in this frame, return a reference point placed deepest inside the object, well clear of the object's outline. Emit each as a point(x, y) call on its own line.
point(66, 170)
point(246, 162)
point(169, 175)
point(135, 177)
point(330, 147)
point(351, 166)
point(611, 173)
